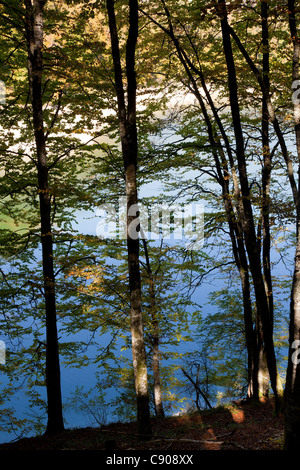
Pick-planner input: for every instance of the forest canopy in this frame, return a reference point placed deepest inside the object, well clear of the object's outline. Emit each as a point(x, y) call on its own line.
point(149, 189)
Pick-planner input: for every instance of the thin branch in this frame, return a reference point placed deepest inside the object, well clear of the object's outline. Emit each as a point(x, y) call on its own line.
point(197, 388)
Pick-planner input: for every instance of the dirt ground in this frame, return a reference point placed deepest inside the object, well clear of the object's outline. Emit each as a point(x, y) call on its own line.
point(238, 426)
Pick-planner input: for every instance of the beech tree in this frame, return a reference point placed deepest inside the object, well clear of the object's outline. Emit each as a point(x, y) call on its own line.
point(227, 169)
point(38, 191)
point(292, 389)
point(128, 136)
point(247, 220)
point(34, 36)
point(196, 47)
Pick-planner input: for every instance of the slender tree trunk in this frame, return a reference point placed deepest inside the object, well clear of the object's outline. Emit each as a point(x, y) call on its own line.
point(267, 161)
point(247, 219)
point(128, 135)
point(239, 253)
point(292, 390)
point(236, 231)
point(159, 409)
point(158, 403)
point(263, 377)
point(34, 30)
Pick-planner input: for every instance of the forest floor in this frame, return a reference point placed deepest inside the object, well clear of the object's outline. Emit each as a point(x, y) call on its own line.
point(238, 426)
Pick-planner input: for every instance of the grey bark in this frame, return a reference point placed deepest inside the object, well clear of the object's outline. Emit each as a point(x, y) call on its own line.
point(247, 220)
point(34, 34)
point(292, 389)
point(128, 135)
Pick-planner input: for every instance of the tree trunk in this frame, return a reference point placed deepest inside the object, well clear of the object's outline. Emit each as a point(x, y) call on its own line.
point(266, 171)
point(247, 220)
point(34, 31)
point(128, 135)
point(263, 375)
point(159, 409)
point(292, 390)
point(254, 347)
point(236, 231)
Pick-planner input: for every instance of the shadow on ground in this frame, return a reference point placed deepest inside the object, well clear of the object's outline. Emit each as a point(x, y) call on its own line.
point(238, 426)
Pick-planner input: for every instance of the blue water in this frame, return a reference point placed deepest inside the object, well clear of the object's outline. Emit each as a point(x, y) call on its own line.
point(71, 378)
point(86, 376)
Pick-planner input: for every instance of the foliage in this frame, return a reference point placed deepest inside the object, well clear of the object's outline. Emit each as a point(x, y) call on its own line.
point(85, 171)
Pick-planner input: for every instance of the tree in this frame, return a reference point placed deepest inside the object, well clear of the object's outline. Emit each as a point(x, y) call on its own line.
point(128, 136)
point(237, 205)
point(292, 383)
point(247, 216)
point(67, 191)
point(37, 188)
point(34, 36)
point(155, 335)
point(292, 389)
point(67, 78)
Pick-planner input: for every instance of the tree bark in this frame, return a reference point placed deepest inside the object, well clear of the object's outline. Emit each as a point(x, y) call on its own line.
point(292, 389)
point(267, 160)
point(158, 403)
point(128, 135)
point(247, 220)
point(34, 32)
point(235, 229)
point(234, 211)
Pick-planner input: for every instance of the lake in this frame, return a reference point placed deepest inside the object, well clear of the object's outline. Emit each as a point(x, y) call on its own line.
point(86, 223)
